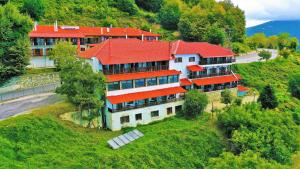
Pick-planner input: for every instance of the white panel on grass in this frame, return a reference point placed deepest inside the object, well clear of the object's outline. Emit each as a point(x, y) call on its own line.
point(124, 139)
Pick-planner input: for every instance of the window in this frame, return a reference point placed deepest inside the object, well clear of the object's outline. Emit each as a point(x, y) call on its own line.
point(140, 102)
point(138, 116)
point(178, 109)
point(191, 59)
point(82, 49)
point(173, 79)
point(178, 60)
point(124, 119)
point(163, 80)
point(155, 113)
point(169, 110)
point(140, 83)
point(127, 84)
point(113, 86)
point(151, 81)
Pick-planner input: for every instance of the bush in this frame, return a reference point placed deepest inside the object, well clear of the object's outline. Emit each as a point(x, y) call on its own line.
point(226, 96)
point(195, 103)
point(267, 98)
point(264, 54)
point(273, 134)
point(294, 86)
point(285, 53)
point(239, 48)
point(238, 101)
point(150, 5)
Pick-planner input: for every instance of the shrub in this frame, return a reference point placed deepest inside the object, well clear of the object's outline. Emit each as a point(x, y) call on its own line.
point(285, 53)
point(238, 101)
point(267, 98)
point(294, 86)
point(226, 96)
point(169, 15)
point(195, 103)
point(264, 54)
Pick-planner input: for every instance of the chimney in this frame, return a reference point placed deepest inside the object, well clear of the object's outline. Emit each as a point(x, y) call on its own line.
point(126, 36)
point(110, 25)
point(101, 30)
point(35, 26)
point(142, 37)
point(55, 26)
point(107, 29)
point(150, 30)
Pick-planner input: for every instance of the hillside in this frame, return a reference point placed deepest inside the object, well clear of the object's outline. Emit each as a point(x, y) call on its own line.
point(277, 27)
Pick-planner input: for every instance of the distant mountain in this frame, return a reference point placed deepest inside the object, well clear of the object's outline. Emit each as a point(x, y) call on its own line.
point(277, 27)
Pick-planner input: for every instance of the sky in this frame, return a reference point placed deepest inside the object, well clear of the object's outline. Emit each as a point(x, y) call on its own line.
point(260, 11)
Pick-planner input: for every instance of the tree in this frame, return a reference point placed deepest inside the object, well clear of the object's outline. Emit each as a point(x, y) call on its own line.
point(83, 87)
point(249, 159)
point(150, 5)
point(195, 103)
point(14, 42)
point(268, 98)
point(3, 2)
point(35, 8)
point(193, 25)
point(264, 54)
point(226, 97)
point(128, 6)
point(215, 35)
point(294, 86)
point(169, 15)
point(285, 53)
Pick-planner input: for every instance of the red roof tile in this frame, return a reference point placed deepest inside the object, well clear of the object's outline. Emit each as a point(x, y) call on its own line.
point(141, 75)
point(48, 31)
point(144, 95)
point(185, 82)
point(242, 88)
point(216, 80)
point(195, 68)
point(122, 51)
point(204, 49)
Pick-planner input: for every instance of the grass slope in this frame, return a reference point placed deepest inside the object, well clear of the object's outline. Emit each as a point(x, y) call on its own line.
point(41, 140)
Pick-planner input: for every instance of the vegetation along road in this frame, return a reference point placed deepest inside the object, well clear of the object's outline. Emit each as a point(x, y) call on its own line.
point(253, 57)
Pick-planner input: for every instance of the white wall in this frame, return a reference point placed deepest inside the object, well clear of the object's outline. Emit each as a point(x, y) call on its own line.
point(114, 123)
point(185, 62)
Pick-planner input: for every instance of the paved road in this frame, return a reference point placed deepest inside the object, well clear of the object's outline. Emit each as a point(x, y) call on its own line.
point(18, 106)
point(253, 57)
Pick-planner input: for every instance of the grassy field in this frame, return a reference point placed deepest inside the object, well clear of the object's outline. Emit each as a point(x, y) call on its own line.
point(42, 140)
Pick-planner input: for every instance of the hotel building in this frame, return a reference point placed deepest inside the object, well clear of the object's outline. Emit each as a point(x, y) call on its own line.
point(146, 80)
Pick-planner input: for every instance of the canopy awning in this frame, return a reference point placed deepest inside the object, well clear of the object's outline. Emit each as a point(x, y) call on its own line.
point(144, 95)
point(242, 88)
point(185, 82)
point(216, 80)
point(195, 68)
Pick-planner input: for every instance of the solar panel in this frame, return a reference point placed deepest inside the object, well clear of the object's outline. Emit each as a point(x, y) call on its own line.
point(113, 144)
point(118, 141)
point(124, 139)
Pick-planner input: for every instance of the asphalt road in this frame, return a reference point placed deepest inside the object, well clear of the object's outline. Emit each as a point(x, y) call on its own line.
point(253, 57)
point(18, 106)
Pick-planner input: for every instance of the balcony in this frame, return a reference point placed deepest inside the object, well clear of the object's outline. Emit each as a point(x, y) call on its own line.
point(145, 105)
point(134, 70)
point(210, 62)
point(223, 73)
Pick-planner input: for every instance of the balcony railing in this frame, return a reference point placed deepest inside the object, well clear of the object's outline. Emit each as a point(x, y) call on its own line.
point(220, 88)
point(145, 105)
point(209, 75)
point(134, 70)
point(207, 62)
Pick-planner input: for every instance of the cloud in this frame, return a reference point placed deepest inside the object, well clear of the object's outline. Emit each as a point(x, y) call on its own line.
point(258, 11)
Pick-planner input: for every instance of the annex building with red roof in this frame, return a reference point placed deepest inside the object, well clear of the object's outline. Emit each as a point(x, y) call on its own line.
point(146, 80)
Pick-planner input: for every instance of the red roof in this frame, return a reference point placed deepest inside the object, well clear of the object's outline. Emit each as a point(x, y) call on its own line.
point(195, 68)
point(204, 49)
point(48, 31)
point(242, 88)
point(185, 82)
point(216, 80)
point(122, 51)
point(141, 75)
point(144, 95)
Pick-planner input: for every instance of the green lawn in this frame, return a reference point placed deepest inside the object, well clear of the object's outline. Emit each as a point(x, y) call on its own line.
point(41, 140)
